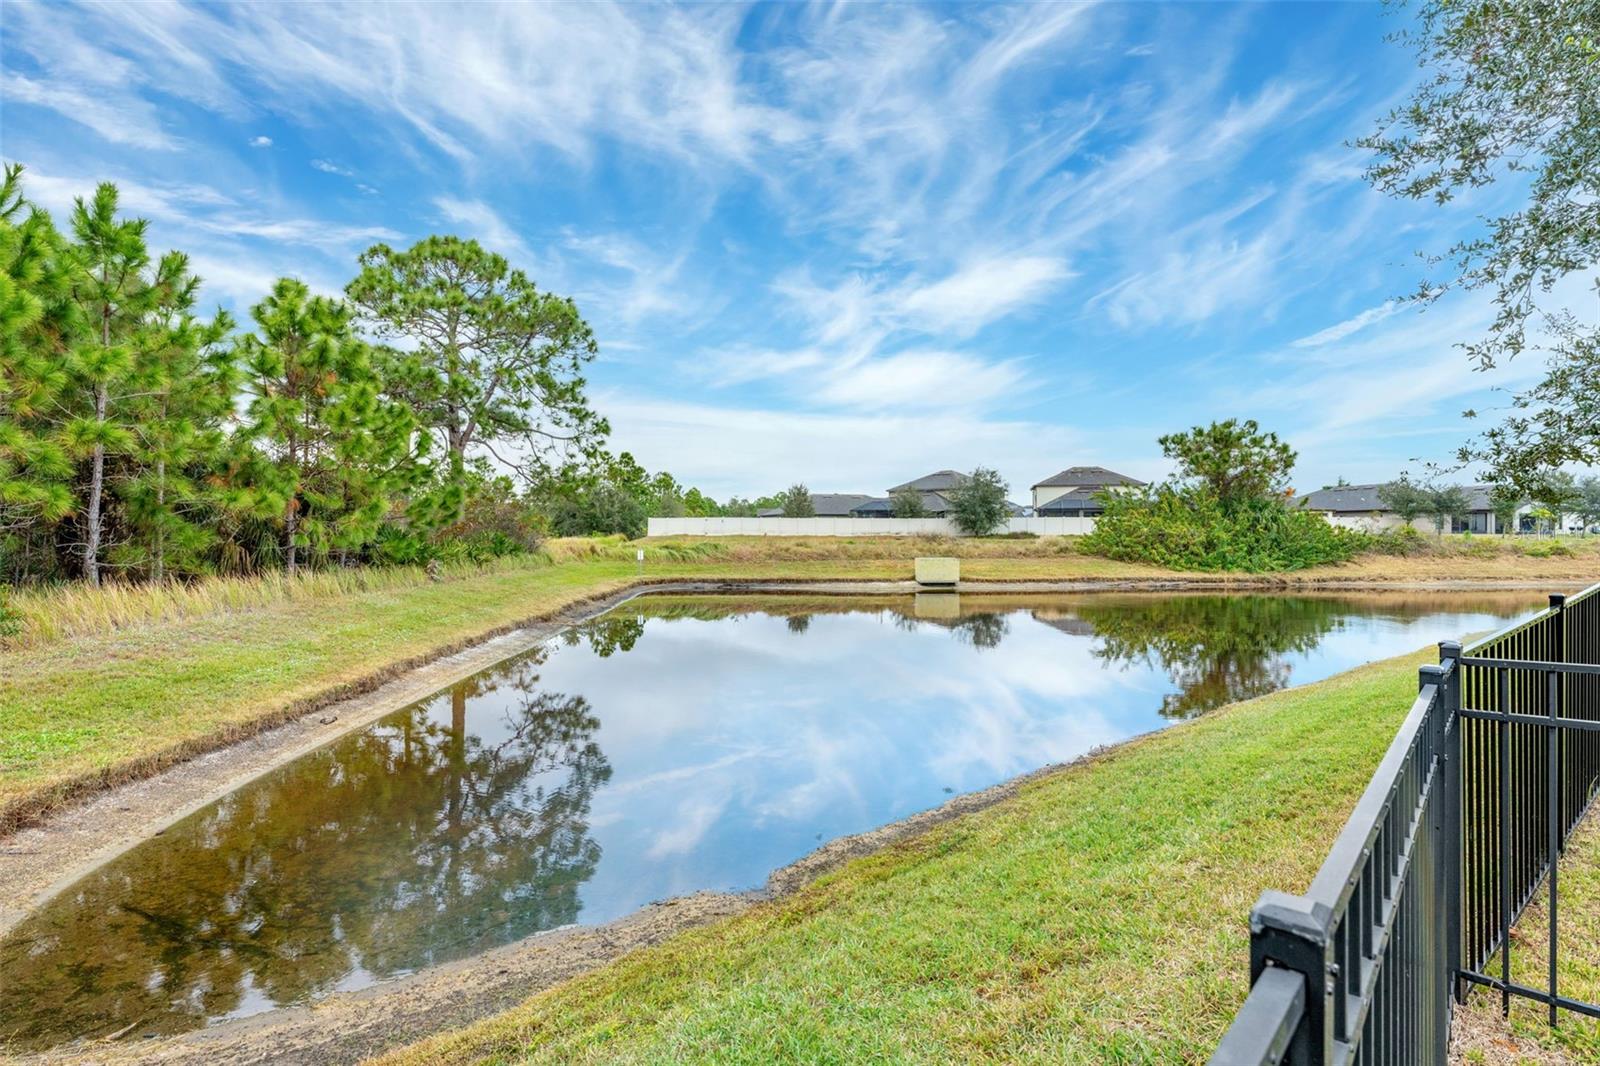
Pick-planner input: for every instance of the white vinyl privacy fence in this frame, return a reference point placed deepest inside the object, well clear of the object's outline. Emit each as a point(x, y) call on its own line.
point(853, 527)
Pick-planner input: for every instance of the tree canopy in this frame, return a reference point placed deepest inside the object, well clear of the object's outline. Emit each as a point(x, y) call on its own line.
point(796, 502)
point(978, 505)
point(907, 503)
point(495, 364)
point(1408, 500)
point(141, 438)
point(1234, 459)
point(1512, 97)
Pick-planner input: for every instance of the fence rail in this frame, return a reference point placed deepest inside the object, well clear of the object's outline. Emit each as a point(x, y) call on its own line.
point(1466, 816)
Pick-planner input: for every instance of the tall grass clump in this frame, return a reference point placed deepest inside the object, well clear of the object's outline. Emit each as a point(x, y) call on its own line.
point(1189, 528)
point(36, 617)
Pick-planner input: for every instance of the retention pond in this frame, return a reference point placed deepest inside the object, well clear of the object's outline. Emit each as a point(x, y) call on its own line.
point(676, 744)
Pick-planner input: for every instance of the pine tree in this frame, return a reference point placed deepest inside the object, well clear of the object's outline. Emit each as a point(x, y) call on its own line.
point(333, 452)
point(496, 364)
point(34, 467)
point(123, 304)
point(186, 385)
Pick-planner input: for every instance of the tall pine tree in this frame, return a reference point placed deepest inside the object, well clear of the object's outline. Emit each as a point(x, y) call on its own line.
point(495, 365)
point(186, 384)
point(333, 452)
point(35, 470)
point(125, 305)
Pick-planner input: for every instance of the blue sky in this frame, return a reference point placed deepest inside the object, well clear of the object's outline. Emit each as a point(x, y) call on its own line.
point(840, 244)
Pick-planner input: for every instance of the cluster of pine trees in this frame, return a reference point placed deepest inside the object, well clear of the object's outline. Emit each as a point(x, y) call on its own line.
point(143, 440)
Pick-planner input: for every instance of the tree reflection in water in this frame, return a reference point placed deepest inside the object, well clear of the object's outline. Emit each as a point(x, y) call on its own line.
point(419, 840)
point(1216, 649)
point(981, 629)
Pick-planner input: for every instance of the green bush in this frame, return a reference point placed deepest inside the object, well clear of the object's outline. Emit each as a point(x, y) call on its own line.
point(1546, 550)
point(1402, 540)
point(1190, 529)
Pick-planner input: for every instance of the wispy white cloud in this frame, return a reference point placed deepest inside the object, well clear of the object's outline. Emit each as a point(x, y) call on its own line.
point(483, 223)
point(652, 285)
point(129, 121)
point(1190, 286)
point(328, 167)
point(201, 209)
point(262, 141)
point(1340, 330)
point(1355, 385)
point(980, 292)
point(660, 77)
point(919, 380)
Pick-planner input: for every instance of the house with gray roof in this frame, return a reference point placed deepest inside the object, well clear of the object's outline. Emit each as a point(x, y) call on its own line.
point(1359, 507)
point(1075, 491)
point(826, 505)
point(935, 489)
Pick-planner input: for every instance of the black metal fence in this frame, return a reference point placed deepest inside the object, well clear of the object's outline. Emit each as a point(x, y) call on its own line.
point(1497, 761)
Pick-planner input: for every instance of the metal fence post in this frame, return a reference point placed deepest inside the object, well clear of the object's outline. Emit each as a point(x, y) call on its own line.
point(1450, 842)
point(1292, 933)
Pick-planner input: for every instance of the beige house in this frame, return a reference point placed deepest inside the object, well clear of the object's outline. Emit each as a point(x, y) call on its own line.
point(1076, 489)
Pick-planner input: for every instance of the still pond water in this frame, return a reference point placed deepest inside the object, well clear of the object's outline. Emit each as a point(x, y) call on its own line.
point(676, 744)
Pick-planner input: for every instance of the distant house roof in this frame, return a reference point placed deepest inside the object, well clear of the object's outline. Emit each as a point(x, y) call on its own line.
point(935, 504)
point(938, 481)
point(1067, 623)
point(932, 502)
point(1074, 502)
point(1345, 498)
point(1364, 499)
point(825, 504)
point(1096, 476)
point(837, 504)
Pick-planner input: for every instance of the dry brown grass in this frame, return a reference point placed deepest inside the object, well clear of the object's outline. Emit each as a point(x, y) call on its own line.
point(63, 611)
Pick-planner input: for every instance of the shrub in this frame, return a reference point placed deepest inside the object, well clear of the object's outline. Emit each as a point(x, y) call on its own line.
point(604, 509)
point(796, 502)
point(907, 503)
point(1546, 550)
point(1403, 540)
point(1191, 529)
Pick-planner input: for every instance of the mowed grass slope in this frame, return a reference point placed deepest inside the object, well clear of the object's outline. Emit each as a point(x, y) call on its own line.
point(1098, 917)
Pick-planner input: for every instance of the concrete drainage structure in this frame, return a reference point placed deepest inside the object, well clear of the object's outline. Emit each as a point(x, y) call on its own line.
point(938, 570)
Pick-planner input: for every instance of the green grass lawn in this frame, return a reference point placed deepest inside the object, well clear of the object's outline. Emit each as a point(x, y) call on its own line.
point(1098, 917)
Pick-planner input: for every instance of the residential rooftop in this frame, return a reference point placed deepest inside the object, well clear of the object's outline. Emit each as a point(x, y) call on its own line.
point(938, 481)
point(1348, 499)
point(1096, 476)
